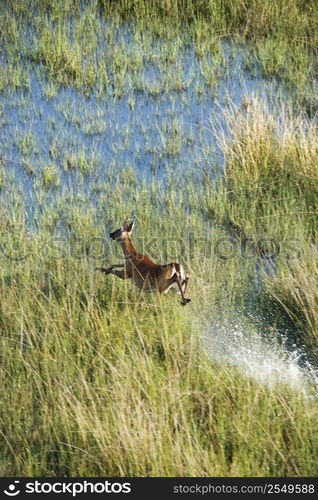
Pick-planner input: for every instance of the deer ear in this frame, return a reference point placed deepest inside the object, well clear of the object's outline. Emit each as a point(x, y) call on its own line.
point(129, 226)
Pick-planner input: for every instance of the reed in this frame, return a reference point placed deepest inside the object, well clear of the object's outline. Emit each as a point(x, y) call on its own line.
point(100, 121)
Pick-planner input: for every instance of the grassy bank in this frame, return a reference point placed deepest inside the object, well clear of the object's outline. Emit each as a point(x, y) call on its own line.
point(96, 380)
point(111, 110)
point(269, 192)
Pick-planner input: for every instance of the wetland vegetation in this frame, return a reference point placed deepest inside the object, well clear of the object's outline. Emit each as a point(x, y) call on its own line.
point(197, 118)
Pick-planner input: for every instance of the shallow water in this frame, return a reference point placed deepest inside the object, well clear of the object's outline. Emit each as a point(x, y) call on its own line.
point(70, 143)
point(270, 360)
point(151, 129)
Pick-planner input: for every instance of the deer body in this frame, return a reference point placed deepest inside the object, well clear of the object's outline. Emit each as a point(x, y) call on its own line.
point(146, 274)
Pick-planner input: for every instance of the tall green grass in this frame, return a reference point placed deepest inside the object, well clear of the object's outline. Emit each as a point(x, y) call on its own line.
point(75, 43)
point(98, 380)
point(269, 191)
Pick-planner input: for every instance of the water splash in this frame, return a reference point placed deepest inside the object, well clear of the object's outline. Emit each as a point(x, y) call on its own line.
point(267, 358)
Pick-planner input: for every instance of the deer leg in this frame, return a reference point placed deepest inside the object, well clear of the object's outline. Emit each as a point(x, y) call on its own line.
point(108, 270)
point(185, 283)
point(123, 274)
point(172, 282)
point(184, 301)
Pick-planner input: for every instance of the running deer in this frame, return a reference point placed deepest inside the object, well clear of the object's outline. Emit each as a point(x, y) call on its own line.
point(146, 274)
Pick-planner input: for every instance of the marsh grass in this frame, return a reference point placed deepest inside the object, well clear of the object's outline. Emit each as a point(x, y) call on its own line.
point(270, 191)
point(97, 379)
point(77, 47)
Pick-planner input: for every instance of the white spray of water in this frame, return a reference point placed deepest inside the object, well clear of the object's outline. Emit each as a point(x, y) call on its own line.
point(269, 361)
